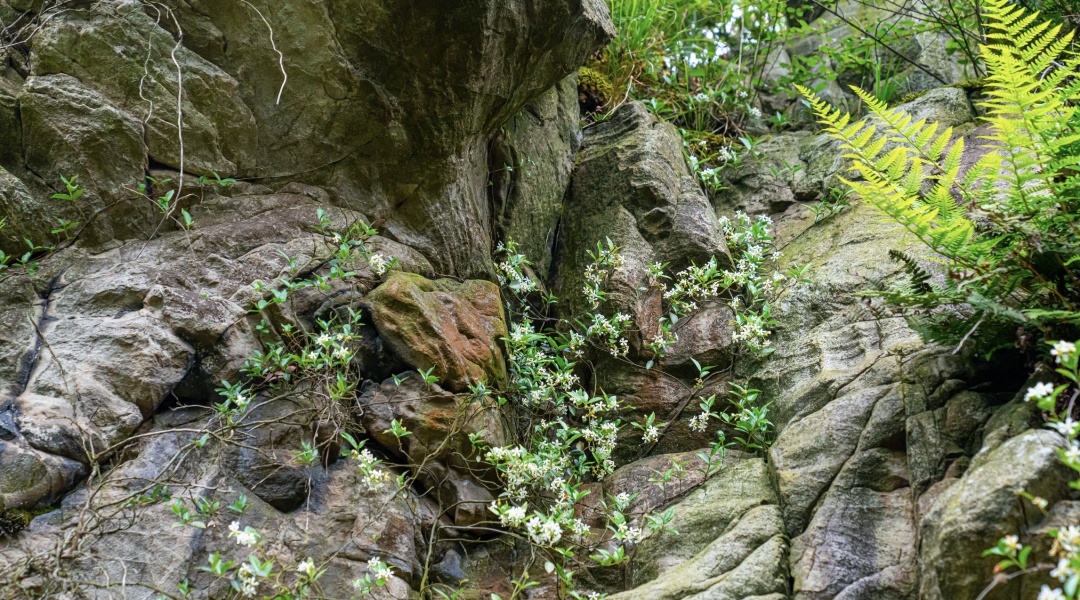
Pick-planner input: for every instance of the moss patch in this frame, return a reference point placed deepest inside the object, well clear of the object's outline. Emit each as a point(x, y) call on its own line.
point(14, 520)
point(594, 90)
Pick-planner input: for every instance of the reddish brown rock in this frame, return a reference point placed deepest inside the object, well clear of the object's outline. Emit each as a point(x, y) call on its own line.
point(454, 327)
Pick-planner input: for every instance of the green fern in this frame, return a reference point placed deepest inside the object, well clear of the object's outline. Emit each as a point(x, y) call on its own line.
point(893, 155)
point(920, 279)
point(1008, 229)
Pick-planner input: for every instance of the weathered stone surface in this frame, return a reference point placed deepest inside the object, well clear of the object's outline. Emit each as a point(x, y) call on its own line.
point(68, 129)
point(341, 525)
point(890, 471)
point(265, 462)
point(983, 506)
point(731, 542)
point(530, 164)
point(99, 341)
point(851, 393)
point(107, 50)
point(358, 101)
point(643, 392)
point(632, 185)
point(21, 216)
point(455, 328)
point(438, 449)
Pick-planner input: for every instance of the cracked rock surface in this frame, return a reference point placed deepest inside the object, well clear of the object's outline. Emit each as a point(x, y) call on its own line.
point(894, 463)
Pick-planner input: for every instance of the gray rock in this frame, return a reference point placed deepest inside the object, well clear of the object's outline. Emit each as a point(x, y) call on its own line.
point(71, 130)
point(265, 459)
point(983, 506)
point(731, 542)
point(438, 449)
point(107, 49)
point(530, 164)
point(340, 527)
point(632, 185)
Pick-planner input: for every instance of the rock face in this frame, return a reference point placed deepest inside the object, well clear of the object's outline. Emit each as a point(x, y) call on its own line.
point(632, 185)
point(730, 543)
point(439, 445)
point(450, 127)
point(389, 107)
point(985, 501)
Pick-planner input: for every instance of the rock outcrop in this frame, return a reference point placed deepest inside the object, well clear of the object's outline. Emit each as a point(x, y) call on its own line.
point(450, 127)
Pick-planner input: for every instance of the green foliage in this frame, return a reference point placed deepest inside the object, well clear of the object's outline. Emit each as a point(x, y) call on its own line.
point(73, 190)
point(1006, 229)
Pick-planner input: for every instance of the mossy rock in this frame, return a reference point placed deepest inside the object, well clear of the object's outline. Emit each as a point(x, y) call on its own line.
point(594, 90)
point(15, 520)
point(454, 327)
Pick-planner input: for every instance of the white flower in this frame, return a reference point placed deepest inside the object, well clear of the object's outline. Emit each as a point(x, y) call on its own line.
point(1048, 594)
point(1040, 502)
point(700, 422)
point(248, 537)
point(1073, 453)
point(543, 533)
point(378, 263)
point(1062, 350)
point(1066, 427)
point(1063, 570)
point(755, 112)
point(307, 567)
point(651, 434)
point(1038, 391)
point(634, 535)
point(1012, 542)
point(514, 516)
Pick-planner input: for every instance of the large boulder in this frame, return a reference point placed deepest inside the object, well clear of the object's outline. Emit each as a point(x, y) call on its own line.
point(730, 542)
point(71, 130)
point(351, 95)
point(451, 327)
point(982, 507)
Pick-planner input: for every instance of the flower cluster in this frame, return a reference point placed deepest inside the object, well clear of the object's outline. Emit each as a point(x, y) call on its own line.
point(378, 574)
point(543, 532)
point(248, 537)
point(378, 263)
point(605, 261)
point(609, 332)
point(511, 270)
point(249, 580)
point(373, 475)
point(1066, 546)
point(752, 245)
